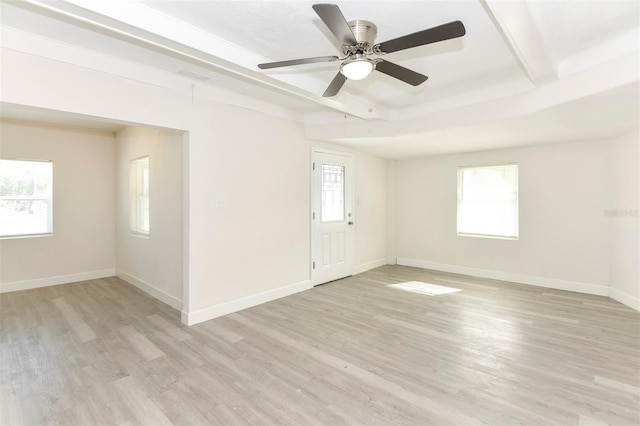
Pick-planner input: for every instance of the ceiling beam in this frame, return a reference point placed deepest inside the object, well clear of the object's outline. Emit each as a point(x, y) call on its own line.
point(143, 25)
point(515, 23)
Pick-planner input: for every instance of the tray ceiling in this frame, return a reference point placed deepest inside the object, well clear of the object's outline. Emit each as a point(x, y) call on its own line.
point(522, 64)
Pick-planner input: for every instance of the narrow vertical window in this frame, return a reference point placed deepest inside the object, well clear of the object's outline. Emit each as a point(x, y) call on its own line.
point(139, 196)
point(488, 201)
point(332, 193)
point(26, 198)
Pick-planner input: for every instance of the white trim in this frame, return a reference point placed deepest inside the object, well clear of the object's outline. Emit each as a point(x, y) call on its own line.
point(225, 308)
point(161, 295)
point(625, 298)
point(370, 265)
point(60, 279)
point(596, 289)
point(322, 150)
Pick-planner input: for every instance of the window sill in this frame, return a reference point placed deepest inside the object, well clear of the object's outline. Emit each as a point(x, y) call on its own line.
point(494, 237)
point(19, 237)
point(138, 235)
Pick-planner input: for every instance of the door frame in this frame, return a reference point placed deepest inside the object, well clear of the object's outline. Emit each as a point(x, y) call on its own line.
point(320, 150)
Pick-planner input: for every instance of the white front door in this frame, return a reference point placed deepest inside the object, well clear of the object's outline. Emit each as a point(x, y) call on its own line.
point(332, 228)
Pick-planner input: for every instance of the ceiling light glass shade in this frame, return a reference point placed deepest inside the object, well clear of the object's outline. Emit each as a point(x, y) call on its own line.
point(357, 69)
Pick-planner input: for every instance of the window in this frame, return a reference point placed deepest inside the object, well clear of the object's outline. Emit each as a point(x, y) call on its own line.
point(332, 193)
point(139, 196)
point(26, 206)
point(488, 201)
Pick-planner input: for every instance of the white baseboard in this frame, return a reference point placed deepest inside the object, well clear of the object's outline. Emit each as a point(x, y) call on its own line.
point(596, 289)
point(624, 298)
point(59, 279)
point(225, 308)
point(165, 297)
point(369, 265)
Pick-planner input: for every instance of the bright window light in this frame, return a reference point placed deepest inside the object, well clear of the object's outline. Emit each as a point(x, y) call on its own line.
point(139, 196)
point(424, 288)
point(26, 205)
point(488, 201)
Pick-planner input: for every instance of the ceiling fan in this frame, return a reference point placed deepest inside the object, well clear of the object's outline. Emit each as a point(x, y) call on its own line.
point(357, 38)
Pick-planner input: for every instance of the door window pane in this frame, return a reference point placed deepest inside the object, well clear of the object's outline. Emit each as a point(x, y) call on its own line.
point(332, 193)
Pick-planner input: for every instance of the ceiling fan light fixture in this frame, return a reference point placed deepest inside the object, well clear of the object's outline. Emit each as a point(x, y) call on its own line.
point(357, 69)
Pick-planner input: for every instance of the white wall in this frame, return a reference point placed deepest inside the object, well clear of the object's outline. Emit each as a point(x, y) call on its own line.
point(370, 212)
point(392, 219)
point(259, 242)
point(564, 237)
point(625, 223)
point(82, 244)
point(152, 263)
point(255, 249)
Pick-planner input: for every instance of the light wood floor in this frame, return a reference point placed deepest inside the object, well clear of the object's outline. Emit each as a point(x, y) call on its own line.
point(350, 352)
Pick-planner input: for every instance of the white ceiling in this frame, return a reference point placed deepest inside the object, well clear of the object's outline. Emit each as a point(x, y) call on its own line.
point(526, 72)
point(591, 23)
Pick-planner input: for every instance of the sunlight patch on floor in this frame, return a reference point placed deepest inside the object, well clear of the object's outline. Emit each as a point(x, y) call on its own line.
point(424, 288)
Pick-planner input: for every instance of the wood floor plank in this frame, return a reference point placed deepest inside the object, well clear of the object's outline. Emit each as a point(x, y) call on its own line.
point(145, 411)
point(354, 351)
point(140, 343)
point(75, 322)
point(10, 410)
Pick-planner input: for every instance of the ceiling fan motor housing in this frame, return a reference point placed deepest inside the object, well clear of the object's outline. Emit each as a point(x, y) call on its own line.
point(365, 33)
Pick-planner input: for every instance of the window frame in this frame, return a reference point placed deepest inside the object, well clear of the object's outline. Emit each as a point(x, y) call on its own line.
point(460, 201)
point(47, 198)
point(139, 196)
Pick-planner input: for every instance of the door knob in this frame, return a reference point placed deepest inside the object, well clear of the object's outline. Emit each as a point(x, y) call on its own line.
point(350, 223)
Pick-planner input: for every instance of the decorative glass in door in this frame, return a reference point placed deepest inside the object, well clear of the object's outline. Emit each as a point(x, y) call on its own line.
point(332, 193)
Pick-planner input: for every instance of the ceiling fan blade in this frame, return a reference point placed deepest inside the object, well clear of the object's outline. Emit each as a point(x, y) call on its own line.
point(297, 62)
point(335, 86)
point(401, 73)
point(334, 20)
point(432, 35)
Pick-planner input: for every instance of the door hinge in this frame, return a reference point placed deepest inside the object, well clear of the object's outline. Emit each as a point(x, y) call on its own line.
point(314, 265)
point(314, 215)
point(314, 166)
